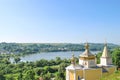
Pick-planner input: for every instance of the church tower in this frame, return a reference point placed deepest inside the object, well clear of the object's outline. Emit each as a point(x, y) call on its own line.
point(105, 59)
point(87, 59)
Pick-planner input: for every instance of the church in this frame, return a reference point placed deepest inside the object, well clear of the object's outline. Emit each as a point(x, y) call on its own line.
point(87, 69)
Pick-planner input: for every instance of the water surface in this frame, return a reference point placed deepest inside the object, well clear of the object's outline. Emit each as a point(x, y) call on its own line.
point(52, 55)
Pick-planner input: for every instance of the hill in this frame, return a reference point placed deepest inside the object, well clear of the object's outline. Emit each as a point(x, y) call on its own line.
point(30, 48)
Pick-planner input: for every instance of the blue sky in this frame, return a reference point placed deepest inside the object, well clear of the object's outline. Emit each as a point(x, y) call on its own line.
point(63, 21)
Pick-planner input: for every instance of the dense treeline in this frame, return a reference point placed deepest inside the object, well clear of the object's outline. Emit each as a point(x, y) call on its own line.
point(29, 48)
point(33, 70)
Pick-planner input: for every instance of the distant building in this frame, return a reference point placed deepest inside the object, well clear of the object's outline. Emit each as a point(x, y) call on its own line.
point(87, 69)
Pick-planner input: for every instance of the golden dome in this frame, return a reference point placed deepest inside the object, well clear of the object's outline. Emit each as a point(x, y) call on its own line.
point(73, 59)
point(86, 46)
point(86, 53)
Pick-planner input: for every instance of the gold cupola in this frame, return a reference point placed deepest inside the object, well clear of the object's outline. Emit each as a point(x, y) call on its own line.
point(87, 59)
point(73, 61)
point(87, 52)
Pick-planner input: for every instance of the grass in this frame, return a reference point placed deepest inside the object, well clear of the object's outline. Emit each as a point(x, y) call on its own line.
point(114, 76)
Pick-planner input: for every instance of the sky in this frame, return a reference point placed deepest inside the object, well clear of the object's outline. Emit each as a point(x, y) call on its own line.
point(60, 21)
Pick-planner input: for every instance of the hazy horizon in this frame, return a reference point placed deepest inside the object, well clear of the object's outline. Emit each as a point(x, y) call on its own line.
point(59, 21)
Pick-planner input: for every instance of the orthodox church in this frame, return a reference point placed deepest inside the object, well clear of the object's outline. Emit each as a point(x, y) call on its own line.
point(87, 69)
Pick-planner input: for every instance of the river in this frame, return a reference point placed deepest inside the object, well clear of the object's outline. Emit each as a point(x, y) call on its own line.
point(51, 55)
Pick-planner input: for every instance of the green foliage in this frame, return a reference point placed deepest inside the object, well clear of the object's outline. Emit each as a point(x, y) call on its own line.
point(2, 77)
point(6, 61)
point(30, 75)
point(17, 59)
point(116, 57)
point(60, 76)
point(30, 48)
point(39, 71)
point(98, 57)
point(47, 76)
point(61, 72)
point(114, 76)
point(20, 76)
point(10, 77)
point(46, 69)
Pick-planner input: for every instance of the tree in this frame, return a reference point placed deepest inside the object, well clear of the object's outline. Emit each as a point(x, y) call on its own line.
point(6, 61)
point(10, 77)
point(61, 70)
point(30, 75)
point(62, 67)
point(98, 57)
point(17, 59)
point(39, 71)
point(48, 76)
point(60, 76)
point(2, 77)
point(58, 60)
point(116, 57)
point(20, 76)
point(48, 69)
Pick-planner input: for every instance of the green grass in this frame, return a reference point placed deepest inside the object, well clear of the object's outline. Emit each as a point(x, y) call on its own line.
point(114, 76)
